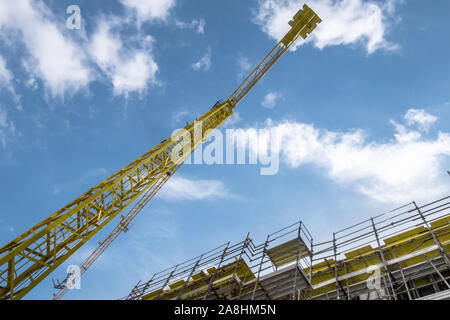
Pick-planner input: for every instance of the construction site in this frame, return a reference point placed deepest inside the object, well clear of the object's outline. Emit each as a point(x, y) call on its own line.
point(398, 255)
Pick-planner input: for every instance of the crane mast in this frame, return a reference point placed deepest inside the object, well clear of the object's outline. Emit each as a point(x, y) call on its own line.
point(31, 257)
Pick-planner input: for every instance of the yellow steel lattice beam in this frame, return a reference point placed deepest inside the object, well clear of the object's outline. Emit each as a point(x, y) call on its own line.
point(32, 256)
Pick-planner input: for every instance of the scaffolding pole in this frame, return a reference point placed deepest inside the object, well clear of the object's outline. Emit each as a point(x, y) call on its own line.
point(438, 272)
point(259, 269)
point(380, 250)
point(435, 239)
point(296, 261)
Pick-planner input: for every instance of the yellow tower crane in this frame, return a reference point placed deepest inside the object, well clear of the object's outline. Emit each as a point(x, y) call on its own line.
point(28, 259)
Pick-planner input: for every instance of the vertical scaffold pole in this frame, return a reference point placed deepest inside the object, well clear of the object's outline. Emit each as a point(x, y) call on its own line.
point(335, 266)
point(238, 263)
point(147, 285)
point(346, 282)
point(405, 283)
point(294, 290)
point(138, 293)
point(435, 239)
point(260, 267)
point(189, 278)
point(438, 272)
point(380, 250)
point(211, 281)
point(311, 269)
point(167, 282)
point(133, 294)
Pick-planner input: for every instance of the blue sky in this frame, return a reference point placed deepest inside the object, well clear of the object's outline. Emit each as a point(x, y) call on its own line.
point(363, 107)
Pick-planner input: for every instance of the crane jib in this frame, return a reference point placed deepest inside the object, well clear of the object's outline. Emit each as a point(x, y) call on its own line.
point(31, 257)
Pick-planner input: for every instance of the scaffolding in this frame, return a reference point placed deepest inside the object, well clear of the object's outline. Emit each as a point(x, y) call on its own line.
point(398, 255)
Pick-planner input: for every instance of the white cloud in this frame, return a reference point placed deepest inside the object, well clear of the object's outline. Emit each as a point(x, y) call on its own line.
point(7, 127)
point(105, 46)
point(151, 9)
point(204, 63)
point(198, 25)
point(402, 134)
point(56, 60)
point(235, 118)
point(6, 80)
point(180, 115)
point(134, 73)
point(65, 66)
point(423, 119)
point(244, 66)
point(129, 69)
point(180, 188)
point(406, 168)
point(344, 22)
point(3, 118)
point(5, 75)
point(270, 100)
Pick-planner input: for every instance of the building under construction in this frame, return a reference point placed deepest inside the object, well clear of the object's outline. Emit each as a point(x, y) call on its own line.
point(398, 255)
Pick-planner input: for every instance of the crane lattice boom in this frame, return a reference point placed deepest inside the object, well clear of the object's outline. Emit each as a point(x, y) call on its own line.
point(31, 257)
